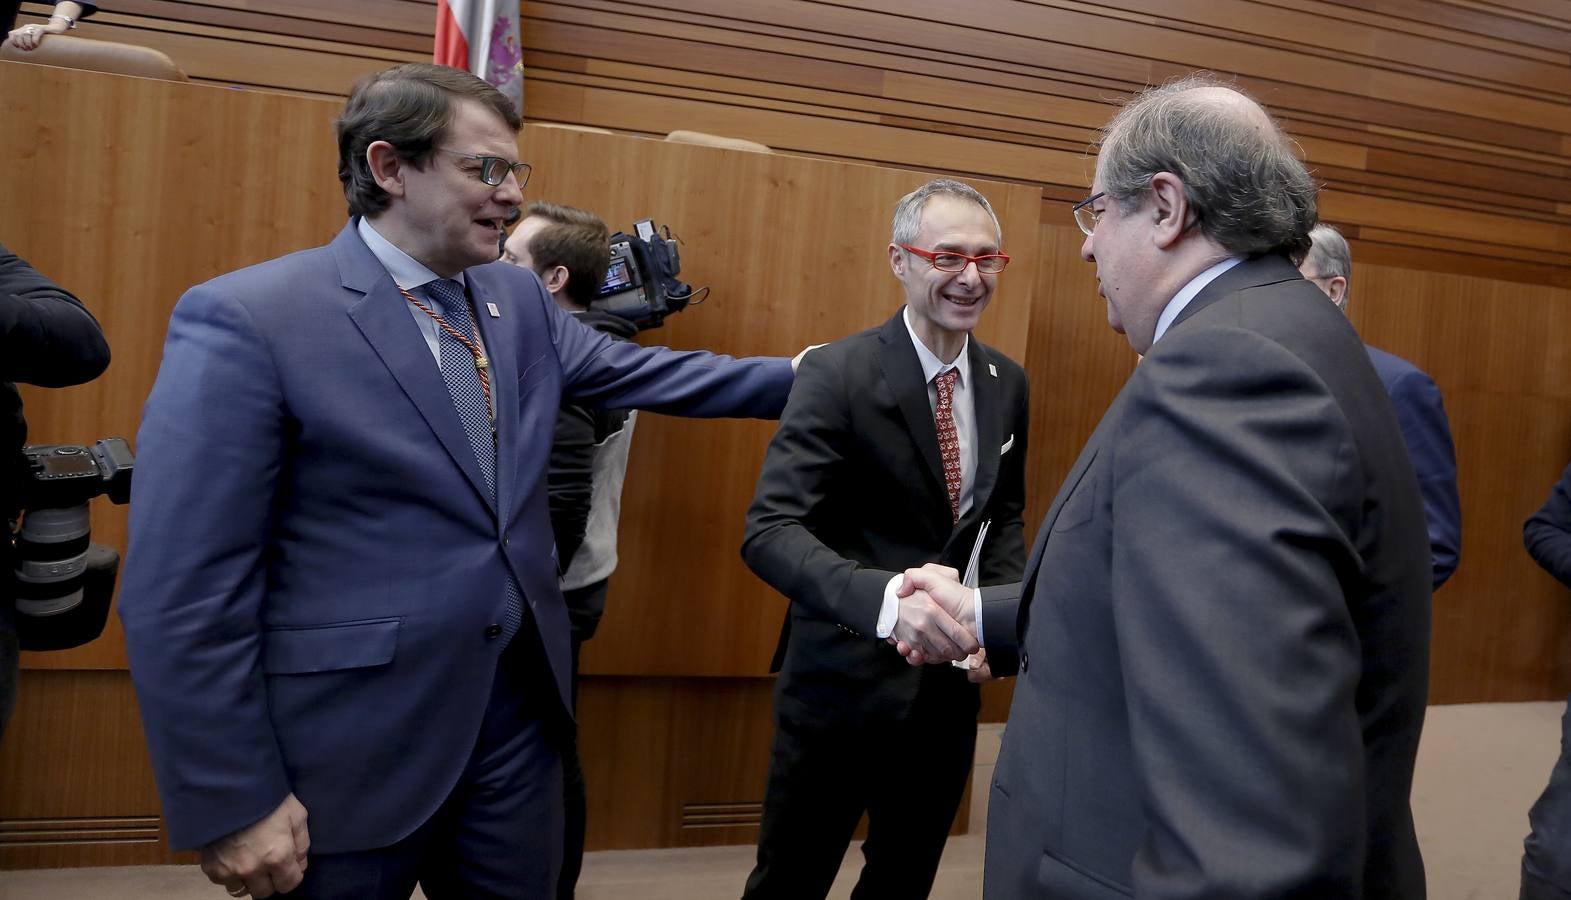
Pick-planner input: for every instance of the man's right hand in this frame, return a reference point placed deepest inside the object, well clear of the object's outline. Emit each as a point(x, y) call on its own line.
point(265, 858)
point(941, 586)
point(927, 628)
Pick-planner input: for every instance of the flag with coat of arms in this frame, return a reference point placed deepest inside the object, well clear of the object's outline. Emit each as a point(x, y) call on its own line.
point(481, 36)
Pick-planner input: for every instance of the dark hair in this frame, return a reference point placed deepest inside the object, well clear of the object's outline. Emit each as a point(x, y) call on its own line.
point(1251, 193)
point(410, 107)
point(577, 240)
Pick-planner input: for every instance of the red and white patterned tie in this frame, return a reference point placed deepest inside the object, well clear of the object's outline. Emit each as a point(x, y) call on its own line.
point(948, 439)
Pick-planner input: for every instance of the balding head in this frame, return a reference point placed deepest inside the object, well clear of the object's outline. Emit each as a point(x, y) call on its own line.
point(1250, 193)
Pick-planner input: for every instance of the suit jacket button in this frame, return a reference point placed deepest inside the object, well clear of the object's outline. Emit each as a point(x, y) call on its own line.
point(493, 631)
point(1025, 660)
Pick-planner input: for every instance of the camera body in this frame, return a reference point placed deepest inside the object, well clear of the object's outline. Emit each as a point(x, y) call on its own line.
point(62, 582)
point(61, 475)
point(642, 285)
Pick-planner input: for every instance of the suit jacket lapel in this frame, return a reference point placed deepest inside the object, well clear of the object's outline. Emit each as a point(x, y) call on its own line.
point(382, 315)
point(985, 391)
point(903, 374)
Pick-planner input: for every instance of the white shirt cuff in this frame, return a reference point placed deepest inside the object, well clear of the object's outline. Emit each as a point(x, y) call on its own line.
point(889, 614)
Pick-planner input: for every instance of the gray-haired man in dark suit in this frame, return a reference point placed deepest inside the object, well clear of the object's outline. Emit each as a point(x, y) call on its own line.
point(1223, 678)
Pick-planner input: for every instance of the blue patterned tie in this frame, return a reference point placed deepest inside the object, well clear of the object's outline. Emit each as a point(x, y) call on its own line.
point(463, 382)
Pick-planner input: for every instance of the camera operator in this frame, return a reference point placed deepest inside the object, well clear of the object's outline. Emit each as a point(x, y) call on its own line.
point(47, 338)
point(568, 249)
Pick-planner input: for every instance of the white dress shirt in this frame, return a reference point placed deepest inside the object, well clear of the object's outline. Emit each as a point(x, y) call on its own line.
point(412, 276)
point(1187, 293)
point(963, 407)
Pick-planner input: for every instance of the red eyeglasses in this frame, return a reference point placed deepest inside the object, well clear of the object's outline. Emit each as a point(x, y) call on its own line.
point(950, 261)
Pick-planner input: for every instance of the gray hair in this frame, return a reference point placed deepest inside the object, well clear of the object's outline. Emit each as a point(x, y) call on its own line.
point(1250, 193)
point(908, 212)
point(1329, 257)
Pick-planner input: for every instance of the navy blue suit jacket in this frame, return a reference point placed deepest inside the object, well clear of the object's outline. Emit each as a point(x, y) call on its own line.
point(1422, 416)
point(315, 563)
point(1547, 533)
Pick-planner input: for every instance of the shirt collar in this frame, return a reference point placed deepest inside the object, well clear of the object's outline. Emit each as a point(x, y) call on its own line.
point(1188, 292)
point(406, 271)
point(931, 364)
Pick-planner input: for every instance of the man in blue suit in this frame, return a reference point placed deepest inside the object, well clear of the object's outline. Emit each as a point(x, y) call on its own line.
point(341, 597)
point(1419, 409)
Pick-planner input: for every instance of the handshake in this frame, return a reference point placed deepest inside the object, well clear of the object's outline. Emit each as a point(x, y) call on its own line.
point(938, 621)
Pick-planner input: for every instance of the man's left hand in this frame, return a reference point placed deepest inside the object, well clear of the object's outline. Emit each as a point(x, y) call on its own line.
point(265, 858)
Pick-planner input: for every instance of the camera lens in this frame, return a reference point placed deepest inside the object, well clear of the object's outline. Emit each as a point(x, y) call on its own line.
point(51, 555)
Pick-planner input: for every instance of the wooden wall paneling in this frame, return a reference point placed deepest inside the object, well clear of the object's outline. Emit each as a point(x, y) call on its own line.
point(1412, 146)
point(1029, 75)
point(1495, 350)
point(764, 35)
point(391, 24)
point(222, 46)
point(1551, 185)
point(1400, 250)
point(220, 56)
point(878, 144)
point(1445, 80)
point(1474, 225)
point(1494, 22)
point(1317, 34)
point(1334, 180)
point(909, 101)
point(76, 784)
point(852, 35)
point(1475, 255)
point(679, 762)
point(1451, 24)
point(674, 762)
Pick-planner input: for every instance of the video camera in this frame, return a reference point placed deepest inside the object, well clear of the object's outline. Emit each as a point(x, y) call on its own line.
point(62, 581)
point(641, 286)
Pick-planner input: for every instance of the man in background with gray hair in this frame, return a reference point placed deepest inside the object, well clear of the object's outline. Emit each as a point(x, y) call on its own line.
point(898, 447)
point(1419, 409)
point(1224, 624)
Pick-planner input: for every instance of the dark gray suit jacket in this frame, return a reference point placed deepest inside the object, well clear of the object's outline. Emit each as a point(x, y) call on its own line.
point(852, 492)
point(1226, 663)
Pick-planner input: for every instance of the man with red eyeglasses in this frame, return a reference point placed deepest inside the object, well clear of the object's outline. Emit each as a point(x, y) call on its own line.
point(898, 447)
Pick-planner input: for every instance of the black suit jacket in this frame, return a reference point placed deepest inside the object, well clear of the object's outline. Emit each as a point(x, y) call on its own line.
point(1226, 654)
point(852, 492)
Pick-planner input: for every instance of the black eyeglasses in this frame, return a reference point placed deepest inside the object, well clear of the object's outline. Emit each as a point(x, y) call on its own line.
point(1085, 215)
point(494, 169)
